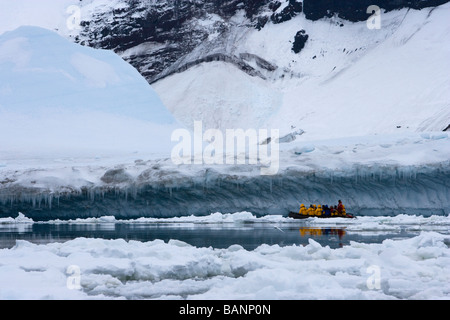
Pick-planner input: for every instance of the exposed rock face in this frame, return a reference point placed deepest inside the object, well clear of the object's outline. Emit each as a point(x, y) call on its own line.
point(116, 176)
point(357, 10)
point(300, 40)
point(160, 37)
point(152, 35)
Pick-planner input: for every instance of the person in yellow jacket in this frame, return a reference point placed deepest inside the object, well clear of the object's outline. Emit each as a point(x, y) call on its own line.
point(343, 211)
point(310, 210)
point(318, 212)
point(303, 210)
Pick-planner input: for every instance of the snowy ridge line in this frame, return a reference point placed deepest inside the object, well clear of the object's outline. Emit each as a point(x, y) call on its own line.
point(164, 192)
point(232, 59)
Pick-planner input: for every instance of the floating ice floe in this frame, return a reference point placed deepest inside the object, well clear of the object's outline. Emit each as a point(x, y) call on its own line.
point(21, 219)
point(365, 222)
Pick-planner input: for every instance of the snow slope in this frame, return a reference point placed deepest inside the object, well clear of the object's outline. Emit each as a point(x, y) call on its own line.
point(220, 95)
point(59, 99)
point(363, 81)
point(402, 81)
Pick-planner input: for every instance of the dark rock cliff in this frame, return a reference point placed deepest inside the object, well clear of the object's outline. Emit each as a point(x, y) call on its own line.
point(172, 29)
point(357, 10)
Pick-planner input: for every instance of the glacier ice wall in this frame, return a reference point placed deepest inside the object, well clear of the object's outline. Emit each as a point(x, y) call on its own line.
point(160, 192)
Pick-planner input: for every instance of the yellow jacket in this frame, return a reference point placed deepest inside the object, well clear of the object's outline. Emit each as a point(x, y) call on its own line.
point(303, 210)
point(319, 211)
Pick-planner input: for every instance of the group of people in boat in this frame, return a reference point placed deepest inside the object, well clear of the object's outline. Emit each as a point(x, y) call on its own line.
point(323, 210)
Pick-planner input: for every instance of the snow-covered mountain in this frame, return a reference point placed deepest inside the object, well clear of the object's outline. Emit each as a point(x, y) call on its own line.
point(276, 64)
point(249, 44)
point(398, 75)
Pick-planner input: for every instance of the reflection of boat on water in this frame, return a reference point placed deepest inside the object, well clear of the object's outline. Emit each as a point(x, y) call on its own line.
point(306, 231)
point(296, 215)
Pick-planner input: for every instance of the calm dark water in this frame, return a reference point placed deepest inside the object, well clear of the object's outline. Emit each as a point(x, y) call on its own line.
point(249, 236)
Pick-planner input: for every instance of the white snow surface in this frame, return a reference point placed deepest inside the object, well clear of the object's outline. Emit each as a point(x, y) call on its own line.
point(416, 268)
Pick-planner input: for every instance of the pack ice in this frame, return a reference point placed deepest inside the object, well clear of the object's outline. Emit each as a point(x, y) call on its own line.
point(416, 268)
